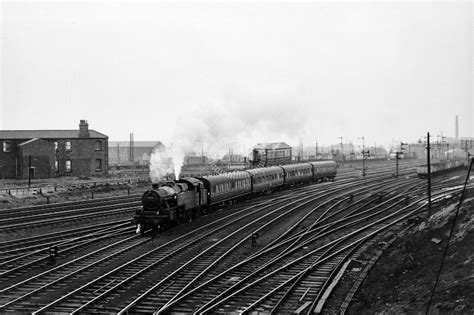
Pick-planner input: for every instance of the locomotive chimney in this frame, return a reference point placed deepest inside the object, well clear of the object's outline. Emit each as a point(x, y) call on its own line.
point(154, 186)
point(84, 129)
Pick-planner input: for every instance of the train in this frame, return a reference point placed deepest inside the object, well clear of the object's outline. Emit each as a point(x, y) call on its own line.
point(440, 167)
point(174, 202)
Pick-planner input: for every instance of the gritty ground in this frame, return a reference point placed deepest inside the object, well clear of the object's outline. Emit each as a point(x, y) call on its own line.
point(402, 280)
point(54, 190)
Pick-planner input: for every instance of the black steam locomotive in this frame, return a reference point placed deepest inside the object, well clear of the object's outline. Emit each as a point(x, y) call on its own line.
point(187, 198)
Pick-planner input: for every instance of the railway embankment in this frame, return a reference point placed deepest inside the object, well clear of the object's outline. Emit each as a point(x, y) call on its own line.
point(402, 280)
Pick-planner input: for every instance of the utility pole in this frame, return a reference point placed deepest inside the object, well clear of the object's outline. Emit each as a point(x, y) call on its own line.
point(316, 154)
point(29, 171)
point(429, 171)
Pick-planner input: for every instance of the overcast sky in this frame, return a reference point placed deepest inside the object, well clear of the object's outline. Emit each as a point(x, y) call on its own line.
point(261, 71)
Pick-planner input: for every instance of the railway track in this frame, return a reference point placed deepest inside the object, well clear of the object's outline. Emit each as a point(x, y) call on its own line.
point(239, 221)
point(138, 279)
point(171, 272)
point(66, 206)
point(16, 247)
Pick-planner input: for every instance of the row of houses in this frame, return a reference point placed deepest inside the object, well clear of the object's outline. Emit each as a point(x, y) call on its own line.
point(50, 153)
point(82, 152)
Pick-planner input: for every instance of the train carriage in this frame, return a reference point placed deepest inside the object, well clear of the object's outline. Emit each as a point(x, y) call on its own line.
point(324, 170)
point(266, 179)
point(297, 173)
point(439, 167)
point(227, 186)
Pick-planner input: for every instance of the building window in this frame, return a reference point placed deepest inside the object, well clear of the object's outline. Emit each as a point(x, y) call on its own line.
point(98, 145)
point(55, 146)
point(98, 165)
point(68, 145)
point(7, 146)
point(68, 166)
point(56, 166)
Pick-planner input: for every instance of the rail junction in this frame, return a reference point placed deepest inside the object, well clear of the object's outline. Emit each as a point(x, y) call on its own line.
point(298, 250)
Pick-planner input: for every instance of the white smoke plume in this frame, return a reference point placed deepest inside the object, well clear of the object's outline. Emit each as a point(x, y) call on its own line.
point(238, 122)
point(215, 127)
point(161, 164)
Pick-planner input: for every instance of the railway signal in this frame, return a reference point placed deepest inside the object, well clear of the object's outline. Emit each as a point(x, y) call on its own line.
point(365, 154)
point(398, 156)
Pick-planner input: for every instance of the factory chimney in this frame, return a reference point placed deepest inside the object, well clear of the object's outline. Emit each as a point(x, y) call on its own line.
point(457, 128)
point(84, 129)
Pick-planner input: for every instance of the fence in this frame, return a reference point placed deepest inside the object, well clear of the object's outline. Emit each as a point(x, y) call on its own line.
point(22, 191)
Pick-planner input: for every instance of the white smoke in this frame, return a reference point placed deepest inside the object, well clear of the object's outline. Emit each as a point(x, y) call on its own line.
point(236, 124)
point(161, 164)
point(216, 127)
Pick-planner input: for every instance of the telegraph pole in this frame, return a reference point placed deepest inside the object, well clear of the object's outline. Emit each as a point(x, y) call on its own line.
point(29, 171)
point(316, 154)
point(429, 171)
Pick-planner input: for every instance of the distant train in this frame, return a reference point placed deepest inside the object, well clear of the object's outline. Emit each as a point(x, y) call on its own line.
point(439, 167)
point(182, 200)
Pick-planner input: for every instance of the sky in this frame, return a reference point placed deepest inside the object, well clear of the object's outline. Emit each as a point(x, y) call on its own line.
point(213, 72)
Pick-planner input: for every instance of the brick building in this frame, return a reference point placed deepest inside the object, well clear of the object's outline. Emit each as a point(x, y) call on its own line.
point(51, 153)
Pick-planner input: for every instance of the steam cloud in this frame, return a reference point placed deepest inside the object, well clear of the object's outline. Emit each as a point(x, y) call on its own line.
point(215, 126)
point(161, 164)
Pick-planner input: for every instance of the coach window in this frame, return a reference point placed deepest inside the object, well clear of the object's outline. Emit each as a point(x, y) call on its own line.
point(68, 166)
point(98, 145)
point(68, 145)
point(7, 146)
point(98, 165)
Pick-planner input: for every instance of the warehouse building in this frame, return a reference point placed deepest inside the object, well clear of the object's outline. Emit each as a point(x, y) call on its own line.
point(132, 153)
point(52, 153)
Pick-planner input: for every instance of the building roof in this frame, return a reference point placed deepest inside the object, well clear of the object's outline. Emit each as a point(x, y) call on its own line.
point(272, 146)
point(136, 144)
point(28, 141)
point(47, 134)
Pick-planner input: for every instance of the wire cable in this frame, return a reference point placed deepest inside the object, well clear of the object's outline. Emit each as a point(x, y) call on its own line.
point(449, 239)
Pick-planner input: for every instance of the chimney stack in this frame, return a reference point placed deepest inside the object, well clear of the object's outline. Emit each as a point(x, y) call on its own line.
point(84, 129)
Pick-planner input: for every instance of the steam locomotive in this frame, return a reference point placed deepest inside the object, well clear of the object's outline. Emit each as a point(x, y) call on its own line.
point(182, 200)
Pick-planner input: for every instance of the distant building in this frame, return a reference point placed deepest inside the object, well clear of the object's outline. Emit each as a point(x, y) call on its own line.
point(267, 154)
point(132, 153)
point(50, 153)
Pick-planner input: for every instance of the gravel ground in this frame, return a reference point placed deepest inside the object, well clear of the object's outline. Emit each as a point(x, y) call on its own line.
point(67, 189)
point(402, 280)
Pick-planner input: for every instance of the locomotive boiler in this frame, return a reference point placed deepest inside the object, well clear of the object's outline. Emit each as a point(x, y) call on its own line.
point(170, 203)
